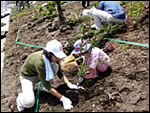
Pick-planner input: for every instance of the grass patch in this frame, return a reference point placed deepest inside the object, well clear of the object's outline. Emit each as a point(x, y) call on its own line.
point(25, 12)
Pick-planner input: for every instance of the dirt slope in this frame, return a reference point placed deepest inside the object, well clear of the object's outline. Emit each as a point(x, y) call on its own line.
point(127, 78)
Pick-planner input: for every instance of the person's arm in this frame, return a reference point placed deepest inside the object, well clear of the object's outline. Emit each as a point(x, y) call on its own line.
point(55, 93)
point(67, 103)
point(65, 80)
point(62, 76)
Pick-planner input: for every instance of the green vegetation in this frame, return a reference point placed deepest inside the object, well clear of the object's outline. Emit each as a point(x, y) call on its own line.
point(83, 28)
point(47, 10)
point(82, 70)
point(51, 109)
point(99, 37)
point(76, 21)
point(108, 30)
point(23, 13)
point(135, 10)
point(40, 8)
point(122, 2)
point(97, 2)
point(3, 24)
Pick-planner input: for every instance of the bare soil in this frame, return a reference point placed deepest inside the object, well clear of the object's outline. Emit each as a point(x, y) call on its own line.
point(126, 81)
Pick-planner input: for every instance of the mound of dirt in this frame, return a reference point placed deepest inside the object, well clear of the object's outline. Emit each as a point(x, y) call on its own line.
point(123, 88)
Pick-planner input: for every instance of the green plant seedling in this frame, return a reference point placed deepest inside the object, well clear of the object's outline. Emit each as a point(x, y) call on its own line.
point(134, 22)
point(82, 70)
point(125, 47)
point(134, 46)
point(40, 8)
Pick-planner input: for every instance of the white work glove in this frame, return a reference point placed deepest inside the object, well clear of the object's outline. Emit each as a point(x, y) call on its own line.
point(80, 80)
point(73, 86)
point(66, 103)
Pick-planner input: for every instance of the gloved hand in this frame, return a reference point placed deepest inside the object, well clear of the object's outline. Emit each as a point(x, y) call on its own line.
point(80, 80)
point(73, 86)
point(66, 103)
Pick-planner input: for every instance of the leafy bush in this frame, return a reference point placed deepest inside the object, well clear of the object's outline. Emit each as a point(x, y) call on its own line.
point(47, 9)
point(99, 37)
point(51, 6)
point(73, 21)
point(135, 9)
point(40, 8)
point(108, 30)
point(83, 28)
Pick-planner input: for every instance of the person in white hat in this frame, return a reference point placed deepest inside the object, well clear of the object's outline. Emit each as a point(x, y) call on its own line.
point(107, 11)
point(43, 66)
point(96, 59)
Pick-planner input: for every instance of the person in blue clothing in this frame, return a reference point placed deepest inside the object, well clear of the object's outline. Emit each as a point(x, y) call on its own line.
point(108, 11)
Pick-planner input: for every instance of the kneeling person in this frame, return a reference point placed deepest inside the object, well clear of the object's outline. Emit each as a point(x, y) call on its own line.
point(43, 66)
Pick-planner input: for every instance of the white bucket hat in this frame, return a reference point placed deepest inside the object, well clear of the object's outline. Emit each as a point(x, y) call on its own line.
point(81, 49)
point(56, 48)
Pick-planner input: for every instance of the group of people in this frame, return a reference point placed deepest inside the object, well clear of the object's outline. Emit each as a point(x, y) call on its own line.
point(45, 65)
point(107, 11)
point(21, 5)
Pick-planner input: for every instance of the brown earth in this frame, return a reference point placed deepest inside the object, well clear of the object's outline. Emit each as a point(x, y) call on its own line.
point(127, 79)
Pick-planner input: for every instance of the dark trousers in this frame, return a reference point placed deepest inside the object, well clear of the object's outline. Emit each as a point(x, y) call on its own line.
point(84, 4)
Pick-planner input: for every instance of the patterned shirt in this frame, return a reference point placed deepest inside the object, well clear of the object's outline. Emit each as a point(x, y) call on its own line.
point(97, 59)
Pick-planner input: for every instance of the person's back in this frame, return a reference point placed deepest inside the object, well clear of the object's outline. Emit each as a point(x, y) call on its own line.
point(97, 58)
point(34, 60)
point(113, 8)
